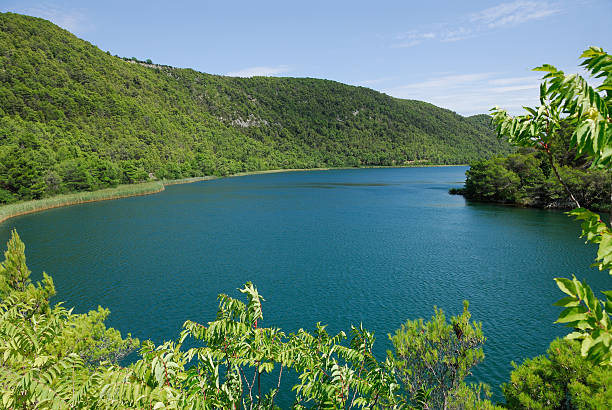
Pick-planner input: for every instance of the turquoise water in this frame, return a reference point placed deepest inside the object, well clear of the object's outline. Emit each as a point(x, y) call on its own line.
point(341, 247)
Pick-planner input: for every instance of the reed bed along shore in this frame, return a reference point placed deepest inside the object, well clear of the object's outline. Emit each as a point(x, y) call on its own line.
point(121, 191)
point(188, 180)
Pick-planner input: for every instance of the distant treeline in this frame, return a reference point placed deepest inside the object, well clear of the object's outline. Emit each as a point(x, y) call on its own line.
point(74, 118)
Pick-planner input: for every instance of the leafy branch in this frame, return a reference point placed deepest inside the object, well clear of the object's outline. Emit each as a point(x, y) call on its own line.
point(569, 101)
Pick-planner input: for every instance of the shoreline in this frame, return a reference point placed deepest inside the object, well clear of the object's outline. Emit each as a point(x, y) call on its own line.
point(13, 210)
point(122, 191)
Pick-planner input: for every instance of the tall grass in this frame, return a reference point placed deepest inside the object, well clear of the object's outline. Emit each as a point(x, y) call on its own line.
point(121, 191)
point(188, 180)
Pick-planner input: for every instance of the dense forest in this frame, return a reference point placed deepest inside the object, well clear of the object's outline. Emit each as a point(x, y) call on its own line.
point(73, 118)
point(529, 177)
point(526, 178)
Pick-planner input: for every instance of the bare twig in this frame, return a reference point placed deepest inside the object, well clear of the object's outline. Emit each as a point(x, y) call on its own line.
point(554, 168)
point(551, 159)
point(247, 382)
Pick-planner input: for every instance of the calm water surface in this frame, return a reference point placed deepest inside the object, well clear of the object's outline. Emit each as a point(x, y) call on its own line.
point(341, 247)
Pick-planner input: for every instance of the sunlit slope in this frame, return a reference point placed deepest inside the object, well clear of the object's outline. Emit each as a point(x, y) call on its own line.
point(74, 117)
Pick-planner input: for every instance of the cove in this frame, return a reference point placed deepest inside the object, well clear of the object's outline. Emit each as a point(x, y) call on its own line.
point(376, 246)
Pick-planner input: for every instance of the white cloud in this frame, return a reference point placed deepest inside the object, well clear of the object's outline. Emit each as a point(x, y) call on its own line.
point(445, 81)
point(516, 12)
point(407, 44)
point(368, 83)
point(259, 71)
point(514, 80)
point(412, 38)
point(460, 33)
point(471, 25)
point(514, 88)
point(472, 93)
point(72, 20)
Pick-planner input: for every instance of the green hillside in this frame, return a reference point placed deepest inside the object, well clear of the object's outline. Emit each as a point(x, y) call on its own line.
point(76, 118)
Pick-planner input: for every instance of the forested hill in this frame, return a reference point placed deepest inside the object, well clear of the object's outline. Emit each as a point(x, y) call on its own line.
point(74, 117)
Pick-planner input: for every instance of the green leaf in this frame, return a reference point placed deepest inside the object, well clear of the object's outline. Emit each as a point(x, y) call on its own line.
point(587, 342)
point(567, 301)
point(575, 336)
point(572, 314)
point(546, 68)
point(580, 291)
point(608, 307)
point(590, 299)
point(567, 286)
point(604, 253)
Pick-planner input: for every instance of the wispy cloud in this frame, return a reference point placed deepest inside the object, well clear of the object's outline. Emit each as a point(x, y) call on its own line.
point(516, 12)
point(260, 71)
point(472, 25)
point(375, 81)
point(512, 88)
point(73, 20)
point(412, 38)
point(456, 34)
point(446, 81)
point(472, 93)
point(514, 80)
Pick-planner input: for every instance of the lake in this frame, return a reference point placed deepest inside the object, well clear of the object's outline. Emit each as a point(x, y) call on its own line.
point(340, 247)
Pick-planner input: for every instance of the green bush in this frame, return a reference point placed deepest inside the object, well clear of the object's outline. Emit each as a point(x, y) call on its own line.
point(436, 357)
point(562, 379)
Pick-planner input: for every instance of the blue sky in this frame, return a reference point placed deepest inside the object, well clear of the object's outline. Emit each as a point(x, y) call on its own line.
point(463, 55)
